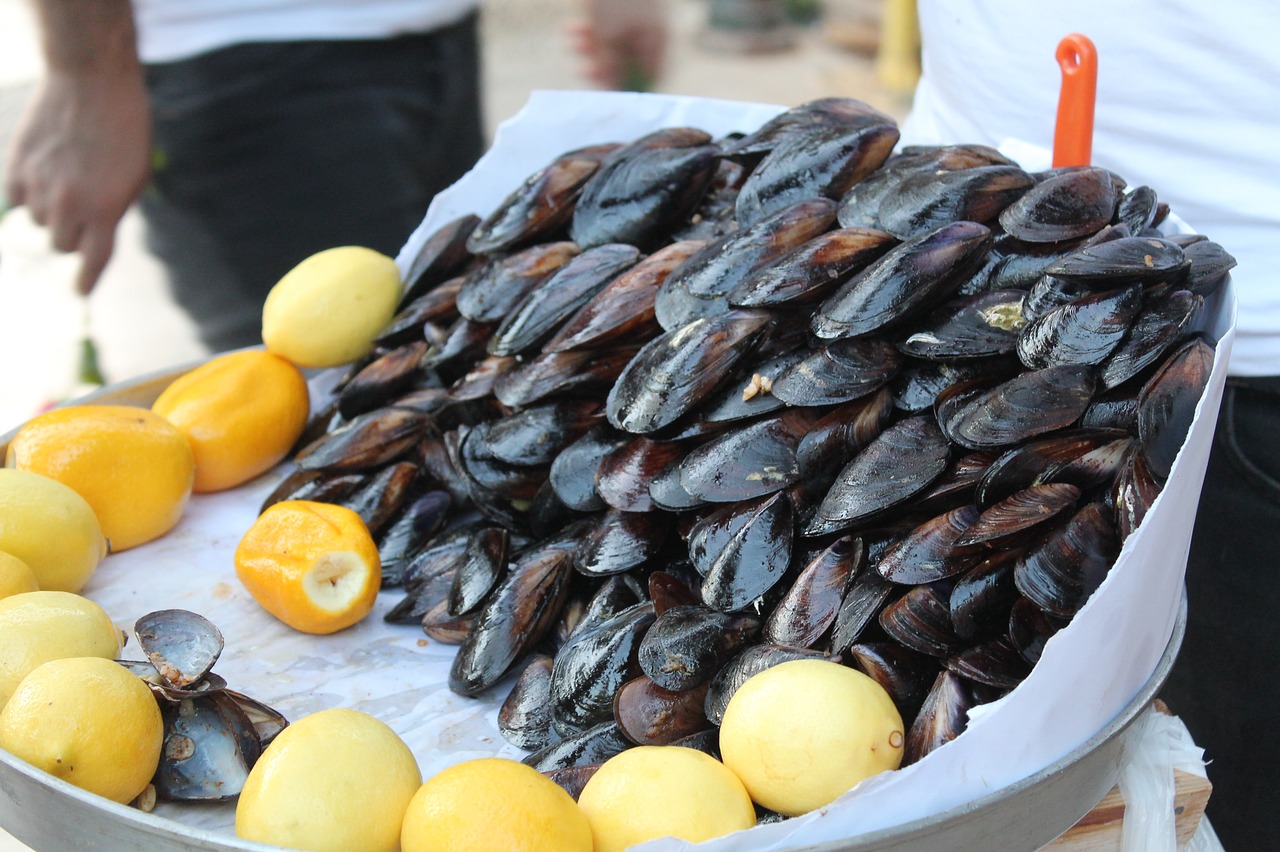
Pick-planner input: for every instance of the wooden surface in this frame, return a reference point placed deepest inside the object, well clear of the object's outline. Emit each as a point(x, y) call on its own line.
point(1099, 829)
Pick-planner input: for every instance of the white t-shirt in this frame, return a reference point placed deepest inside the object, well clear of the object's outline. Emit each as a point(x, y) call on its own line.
point(1188, 103)
point(169, 30)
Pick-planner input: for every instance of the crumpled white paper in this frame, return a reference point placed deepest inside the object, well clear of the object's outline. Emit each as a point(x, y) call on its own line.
point(1088, 673)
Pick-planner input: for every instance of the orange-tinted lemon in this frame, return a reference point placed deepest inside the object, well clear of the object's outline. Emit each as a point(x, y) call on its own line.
point(133, 467)
point(493, 804)
point(241, 412)
point(312, 565)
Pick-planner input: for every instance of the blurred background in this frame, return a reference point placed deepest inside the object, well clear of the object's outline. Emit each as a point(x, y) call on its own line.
point(773, 51)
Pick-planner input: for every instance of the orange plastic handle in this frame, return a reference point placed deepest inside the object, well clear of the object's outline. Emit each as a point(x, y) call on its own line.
point(1073, 134)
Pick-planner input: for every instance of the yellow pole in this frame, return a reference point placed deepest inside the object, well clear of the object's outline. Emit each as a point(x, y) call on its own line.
point(898, 61)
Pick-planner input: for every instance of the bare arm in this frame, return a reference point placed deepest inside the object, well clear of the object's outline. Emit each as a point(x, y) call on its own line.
point(623, 41)
point(80, 156)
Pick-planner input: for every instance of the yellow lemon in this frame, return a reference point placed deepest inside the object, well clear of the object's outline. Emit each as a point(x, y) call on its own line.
point(37, 627)
point(328, 309)
point(51, 528)
point(802, 733)
point(88, 721)
point(493, 804)
point(241, 412)
point(16, 576)
point(663, 791)
point(335, 780)
point(133, 467)
point(312, 565)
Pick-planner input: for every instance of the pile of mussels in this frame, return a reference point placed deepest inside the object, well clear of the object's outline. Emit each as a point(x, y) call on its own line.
point(682, 409)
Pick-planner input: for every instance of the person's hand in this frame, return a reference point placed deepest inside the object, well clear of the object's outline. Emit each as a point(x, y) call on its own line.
point(623, 41)
point(79, 159)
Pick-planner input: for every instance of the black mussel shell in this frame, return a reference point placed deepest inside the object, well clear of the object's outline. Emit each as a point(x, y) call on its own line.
point(624, 475)
point(1066, 567)
point(647, 714)
point(687, 645)
point(841, 371)
point(490, 292)
point(595, 745)
point(983, 595)
point(749, 462)
point(441, 256)
point(525, 717)
point(483, 563)
point(592, 666)
point(1084, 331)
point(995, 663)
point(970, 327)
point(809, 608)
point(1027, 405)
point(754, 556)
point(905, 674)
point(1062, 207)
point(620, 540)
point(921, 619)
point(1167, 404)
point(750, 661)
point(929, 552)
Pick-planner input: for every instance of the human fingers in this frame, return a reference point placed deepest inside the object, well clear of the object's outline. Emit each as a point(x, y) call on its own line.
point(65, 233)
point(96, 245)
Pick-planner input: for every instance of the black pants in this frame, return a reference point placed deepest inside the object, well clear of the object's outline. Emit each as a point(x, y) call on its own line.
point(1226, 684)
point(267, 153)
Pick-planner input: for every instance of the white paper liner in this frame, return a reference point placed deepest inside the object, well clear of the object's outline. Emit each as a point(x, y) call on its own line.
point(1088, 673)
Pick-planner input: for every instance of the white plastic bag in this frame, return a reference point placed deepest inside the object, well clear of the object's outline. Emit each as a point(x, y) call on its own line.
point(1158, 744)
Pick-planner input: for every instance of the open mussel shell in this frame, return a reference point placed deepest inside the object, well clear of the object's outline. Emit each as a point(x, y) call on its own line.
point(678, 370)
point(267, 721)
point(912, 277)
point(647, 714)
point(1168, 403)
point(593, 665)
point(525, 717)
point(687, 645)
point(161, 688)
point(209, 747)
point(1067, 566)
point(809, 608)
point(181, 645)
point(905, 674)
point(1064, 206)
point(900, 463)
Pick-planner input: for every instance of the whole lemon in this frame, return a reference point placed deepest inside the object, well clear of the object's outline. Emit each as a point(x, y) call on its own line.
point(90, 722)
point(51, 528)
point(328, 309)
point(241, 412)
point(803, 732)
point(133, 467)
point(493, 804)
point(663, 791)
point(312, 565)
point(338, 779)
point(37, 627)
point(16, 576)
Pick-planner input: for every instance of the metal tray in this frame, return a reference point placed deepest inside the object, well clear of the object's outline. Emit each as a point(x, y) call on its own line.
point(49, 814)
